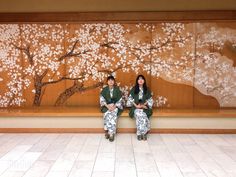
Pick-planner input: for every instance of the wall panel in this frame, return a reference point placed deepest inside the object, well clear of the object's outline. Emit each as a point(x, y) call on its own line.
point(186, 64)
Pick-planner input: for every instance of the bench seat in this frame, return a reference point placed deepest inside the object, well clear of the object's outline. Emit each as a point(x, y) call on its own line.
point(95, 112)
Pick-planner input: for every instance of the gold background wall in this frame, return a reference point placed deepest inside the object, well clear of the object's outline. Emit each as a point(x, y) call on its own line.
point(187, 65)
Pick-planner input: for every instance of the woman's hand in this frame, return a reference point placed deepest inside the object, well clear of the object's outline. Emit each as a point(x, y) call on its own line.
point(111, 107)
point(138, 106)
point(144, 106)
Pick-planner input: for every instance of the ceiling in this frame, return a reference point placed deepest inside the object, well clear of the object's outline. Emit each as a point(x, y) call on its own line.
point(113, 5)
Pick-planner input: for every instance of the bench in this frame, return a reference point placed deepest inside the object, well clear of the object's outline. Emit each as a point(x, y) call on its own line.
point(89, 120)
point(95, 112)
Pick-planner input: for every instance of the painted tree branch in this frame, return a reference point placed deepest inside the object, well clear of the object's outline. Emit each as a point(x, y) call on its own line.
point(61, 79)
point(166, 43)
point(109, 45)
point(27, 52)
point(65, 95)
point(71, 52)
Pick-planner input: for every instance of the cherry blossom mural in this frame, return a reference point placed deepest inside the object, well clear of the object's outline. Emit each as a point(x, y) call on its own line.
point(215, 72)
point(49, 64)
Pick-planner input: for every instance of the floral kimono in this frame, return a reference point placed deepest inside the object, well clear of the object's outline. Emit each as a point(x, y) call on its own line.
point(141, 116)
point(109, 96)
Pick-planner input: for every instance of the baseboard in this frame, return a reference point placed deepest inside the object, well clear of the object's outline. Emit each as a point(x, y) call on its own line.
point(120, 130)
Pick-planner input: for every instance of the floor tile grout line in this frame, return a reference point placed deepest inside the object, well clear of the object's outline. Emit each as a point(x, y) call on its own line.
point(13, 146)
point(96, 155)
point(227, 154)
point(231, 136)
point(132, 139)
point(37, 158)
point(76, 157)
point(50, 143)
point(114, 171)
point(155, 159)
point(172, 154)
point(45, 151)
point(209, 156)
point(13, 162)
point(42, 153)
point(192, 156)
point(58, 156)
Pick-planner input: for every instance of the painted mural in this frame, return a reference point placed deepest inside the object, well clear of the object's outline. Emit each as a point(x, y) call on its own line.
point(187, 65)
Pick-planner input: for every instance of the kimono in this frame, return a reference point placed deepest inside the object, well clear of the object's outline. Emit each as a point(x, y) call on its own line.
point(141, 116)
point(109, 96)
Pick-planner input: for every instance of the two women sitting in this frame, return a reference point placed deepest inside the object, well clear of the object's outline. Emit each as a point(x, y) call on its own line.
point(140, 100)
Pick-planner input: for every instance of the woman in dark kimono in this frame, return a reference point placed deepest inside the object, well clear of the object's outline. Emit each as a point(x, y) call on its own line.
point(111, 106)
point(140, 100)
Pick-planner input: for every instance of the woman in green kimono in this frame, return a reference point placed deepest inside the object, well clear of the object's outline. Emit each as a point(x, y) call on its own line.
point(140, 100)
point(111, 106)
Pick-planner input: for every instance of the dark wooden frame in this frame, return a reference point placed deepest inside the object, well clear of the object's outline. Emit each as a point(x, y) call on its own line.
point(128, 17)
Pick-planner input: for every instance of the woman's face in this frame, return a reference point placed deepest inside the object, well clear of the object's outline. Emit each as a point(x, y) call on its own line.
point(110, 82)
point(140, 81)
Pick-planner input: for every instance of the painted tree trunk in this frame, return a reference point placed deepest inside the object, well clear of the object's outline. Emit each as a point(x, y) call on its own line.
point(38, 85)
point(38, 91)
point(66, 94)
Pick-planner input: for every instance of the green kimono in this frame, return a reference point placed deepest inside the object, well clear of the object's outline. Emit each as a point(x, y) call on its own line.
point(135, 98)
point(116, 99)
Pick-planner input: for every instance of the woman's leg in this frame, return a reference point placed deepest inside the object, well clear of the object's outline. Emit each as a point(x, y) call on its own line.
point(110, 121)
point(142, 124)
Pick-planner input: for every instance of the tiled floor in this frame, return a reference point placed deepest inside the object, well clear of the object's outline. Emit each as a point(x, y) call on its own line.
point(91, 155)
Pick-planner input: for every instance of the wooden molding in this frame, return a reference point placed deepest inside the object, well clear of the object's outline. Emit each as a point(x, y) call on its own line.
point(126, 17)
point(194, 131)
point(120, 130)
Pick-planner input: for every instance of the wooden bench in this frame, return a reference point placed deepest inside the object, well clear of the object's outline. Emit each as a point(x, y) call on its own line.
point(95, 112)
point(89, 120)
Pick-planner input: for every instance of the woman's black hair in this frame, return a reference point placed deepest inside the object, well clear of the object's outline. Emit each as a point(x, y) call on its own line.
point(110, 78)
point(136, 89)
